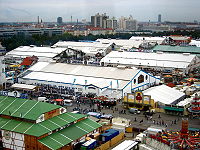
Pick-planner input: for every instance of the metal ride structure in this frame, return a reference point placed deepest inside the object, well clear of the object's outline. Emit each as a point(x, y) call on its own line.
point(183, 140)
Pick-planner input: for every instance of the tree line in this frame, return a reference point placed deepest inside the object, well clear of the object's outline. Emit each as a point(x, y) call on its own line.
point(41, 40)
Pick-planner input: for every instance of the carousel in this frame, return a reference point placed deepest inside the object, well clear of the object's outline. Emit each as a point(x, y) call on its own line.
point(182, 140)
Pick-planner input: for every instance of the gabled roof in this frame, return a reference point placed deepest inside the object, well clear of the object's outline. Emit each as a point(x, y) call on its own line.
point(164, 94)
point(42, 53)
point(178, 49)
point(69, 134)
point(81, 75)
point(41, 128)
point(24, 108)
point(149, 59)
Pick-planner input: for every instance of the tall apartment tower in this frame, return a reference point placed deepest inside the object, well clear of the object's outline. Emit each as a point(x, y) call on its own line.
point(59, 20)
point(128, 23)
point(99, 20)
point(111, 23)
point(159, 18)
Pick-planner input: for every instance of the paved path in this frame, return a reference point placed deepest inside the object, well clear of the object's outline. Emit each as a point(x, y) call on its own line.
point(142, 121)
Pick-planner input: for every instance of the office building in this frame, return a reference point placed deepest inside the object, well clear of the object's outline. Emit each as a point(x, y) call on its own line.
point(159, 18)
point(59, 20)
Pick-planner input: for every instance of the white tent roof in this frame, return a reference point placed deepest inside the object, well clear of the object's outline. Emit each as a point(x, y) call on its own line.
point(163, 94)
point(23, 86)
point(122, 43)
point(149, 59)
point(86, 47)
point(195, 42)
point(41, 52)
point(159, 40)
point(125, 145)
point(185, 102)
point(80, 74)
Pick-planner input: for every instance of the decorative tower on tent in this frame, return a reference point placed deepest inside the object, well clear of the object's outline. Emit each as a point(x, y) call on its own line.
point(195, 106)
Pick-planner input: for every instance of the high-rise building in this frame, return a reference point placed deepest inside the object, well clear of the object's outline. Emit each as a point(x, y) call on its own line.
point(111, 23)
point(59, 20)
point(159, 18)
point(99, 20)
point(128, 23)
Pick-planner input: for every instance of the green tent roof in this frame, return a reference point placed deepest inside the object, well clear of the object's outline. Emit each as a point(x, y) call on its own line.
point(177, 49)
point(69, 134)
point(39, 128)
point(24, 108)
point(173, 108)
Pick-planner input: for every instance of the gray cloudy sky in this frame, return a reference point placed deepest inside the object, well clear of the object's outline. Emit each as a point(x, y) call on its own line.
point(142, 10)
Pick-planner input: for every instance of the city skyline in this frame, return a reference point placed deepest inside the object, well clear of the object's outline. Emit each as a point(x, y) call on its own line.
point(27, 11)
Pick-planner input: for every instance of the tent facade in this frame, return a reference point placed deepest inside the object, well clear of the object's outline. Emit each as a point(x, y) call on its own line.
point(89, 79)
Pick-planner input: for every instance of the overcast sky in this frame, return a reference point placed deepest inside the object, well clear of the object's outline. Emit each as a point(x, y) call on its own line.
point(142, 10)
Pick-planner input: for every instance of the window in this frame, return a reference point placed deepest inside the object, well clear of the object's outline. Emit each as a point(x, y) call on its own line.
point(146, 77)
point(91, 88)
point(134, 81)
point(140, 79)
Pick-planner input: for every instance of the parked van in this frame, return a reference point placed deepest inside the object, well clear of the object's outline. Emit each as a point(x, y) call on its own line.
point(94, 114)
point(42, 99)
point(67, 102)
point(134, 110)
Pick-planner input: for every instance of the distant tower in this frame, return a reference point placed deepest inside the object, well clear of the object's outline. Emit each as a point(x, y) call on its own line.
point(38, 19)
point(159, 18)
point(59, 20)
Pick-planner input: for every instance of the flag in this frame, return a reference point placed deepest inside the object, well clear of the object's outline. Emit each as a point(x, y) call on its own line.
point(74, 81)
point(85, 83)
point(13, 77)
point(117, 84)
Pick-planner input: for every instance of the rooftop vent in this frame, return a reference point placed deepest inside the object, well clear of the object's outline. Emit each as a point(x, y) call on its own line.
point(121, 67)
point(186, 54)
point(159, 52)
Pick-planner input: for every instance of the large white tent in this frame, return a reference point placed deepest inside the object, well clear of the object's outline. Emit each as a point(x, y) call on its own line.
point(155, 60)
point(164, 94)
point(89, 48)
point(43, 53)
point(157, 40)
point(122, 43)
point(101, 79)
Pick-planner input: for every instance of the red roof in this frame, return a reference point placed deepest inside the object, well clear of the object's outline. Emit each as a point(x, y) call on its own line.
point(98, 28)
point(27, 61)
point(171, 84)
point(58, 100)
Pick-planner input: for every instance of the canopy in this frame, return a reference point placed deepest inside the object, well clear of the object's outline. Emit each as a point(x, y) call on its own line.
point(58, 100)
point(23, 86)
point(191, 79)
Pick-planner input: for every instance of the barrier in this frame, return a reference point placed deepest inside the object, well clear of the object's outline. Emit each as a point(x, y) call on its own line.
point(104, 146)
point(116, 139)
point(112, 142)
